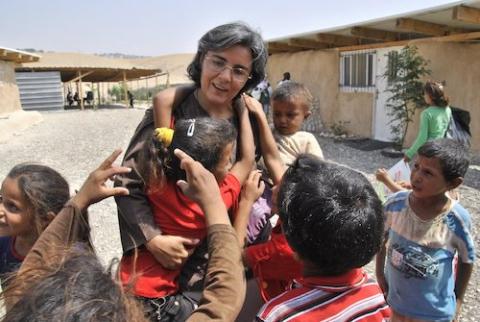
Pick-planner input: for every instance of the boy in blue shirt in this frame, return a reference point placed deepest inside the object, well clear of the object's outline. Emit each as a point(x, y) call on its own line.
point(426, 232)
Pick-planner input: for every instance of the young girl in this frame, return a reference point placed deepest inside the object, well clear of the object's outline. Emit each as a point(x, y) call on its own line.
point(210, 142)
point(434, 120)
point(31, 196)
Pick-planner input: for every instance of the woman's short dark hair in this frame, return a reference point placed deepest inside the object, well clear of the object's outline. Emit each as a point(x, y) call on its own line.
point(227, 36)
point(331, 215)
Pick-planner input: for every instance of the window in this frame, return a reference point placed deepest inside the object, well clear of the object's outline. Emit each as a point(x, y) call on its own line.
point(357, 70)
point(392, 68)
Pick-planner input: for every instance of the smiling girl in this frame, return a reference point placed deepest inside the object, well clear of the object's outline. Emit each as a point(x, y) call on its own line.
point(30, 197)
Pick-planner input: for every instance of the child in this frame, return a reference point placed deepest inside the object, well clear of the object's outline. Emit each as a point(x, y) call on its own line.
point(211, 142)
point(291, 103)
point(425, 232)
point(332, 219)
point(30, 197)
point(58, 282)
point(434, 120)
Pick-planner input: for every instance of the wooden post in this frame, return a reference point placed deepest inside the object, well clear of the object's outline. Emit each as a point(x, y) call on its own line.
point(80, 89)
point(168, 80)
point(146, 89)
point(98, 94)
point(125, 92)
point(156, 84)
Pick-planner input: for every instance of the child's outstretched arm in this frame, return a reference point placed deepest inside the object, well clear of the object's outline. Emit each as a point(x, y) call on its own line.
point(224, 290)
point(383, 177)
point(380, 268)
point(267, 142)
point(244, 164)
point(164, 102)
point(464, 272)
point(251, 191)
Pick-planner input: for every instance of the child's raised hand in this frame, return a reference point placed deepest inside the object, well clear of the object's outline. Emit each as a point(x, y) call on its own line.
point(201, 185)
point(382, 175)
point(252, 105)
point(94, 188)
point(253, 187)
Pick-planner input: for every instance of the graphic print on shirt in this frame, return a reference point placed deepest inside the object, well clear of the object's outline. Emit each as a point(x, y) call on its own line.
point(413, 261)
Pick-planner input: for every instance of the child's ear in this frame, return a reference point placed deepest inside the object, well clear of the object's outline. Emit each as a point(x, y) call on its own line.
point(307, 114)
point(455, 183)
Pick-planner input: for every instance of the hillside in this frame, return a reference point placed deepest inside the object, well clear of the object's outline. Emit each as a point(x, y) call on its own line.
point(175, 64)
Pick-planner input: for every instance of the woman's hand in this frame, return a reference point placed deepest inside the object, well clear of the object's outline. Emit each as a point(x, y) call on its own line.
point(171, 251)
point(94, 188)
point(253, 187)
point(406, 158)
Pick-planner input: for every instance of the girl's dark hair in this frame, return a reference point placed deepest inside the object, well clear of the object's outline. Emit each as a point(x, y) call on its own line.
point(203, 139)
point(436, 93)
point(331, 215)
point(227, 36)
point(44, 189)
point(74, 288)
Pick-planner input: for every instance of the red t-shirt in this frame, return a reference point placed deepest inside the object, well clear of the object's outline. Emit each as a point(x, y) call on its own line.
point(176, 215)
point(273, 264)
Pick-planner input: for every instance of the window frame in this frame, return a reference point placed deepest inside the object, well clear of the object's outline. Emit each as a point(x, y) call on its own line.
point(350, 60)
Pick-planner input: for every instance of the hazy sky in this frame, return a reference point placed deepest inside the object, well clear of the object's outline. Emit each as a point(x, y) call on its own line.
point(157, 27)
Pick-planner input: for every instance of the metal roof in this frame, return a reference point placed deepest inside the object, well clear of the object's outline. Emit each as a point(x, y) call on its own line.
point(92, 67)
point(17, 56)
point(450, 21)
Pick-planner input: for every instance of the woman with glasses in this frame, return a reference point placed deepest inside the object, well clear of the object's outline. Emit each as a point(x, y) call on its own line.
point(230, 60)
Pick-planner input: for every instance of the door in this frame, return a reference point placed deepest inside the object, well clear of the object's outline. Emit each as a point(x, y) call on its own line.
point(381, 120)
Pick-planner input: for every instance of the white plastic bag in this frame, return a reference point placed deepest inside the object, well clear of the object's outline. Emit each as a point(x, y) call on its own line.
point(399, 172)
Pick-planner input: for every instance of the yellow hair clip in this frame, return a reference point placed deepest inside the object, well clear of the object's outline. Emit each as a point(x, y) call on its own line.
point(164, 135)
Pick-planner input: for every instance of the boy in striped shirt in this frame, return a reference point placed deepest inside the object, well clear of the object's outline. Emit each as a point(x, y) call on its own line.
point(332, 219)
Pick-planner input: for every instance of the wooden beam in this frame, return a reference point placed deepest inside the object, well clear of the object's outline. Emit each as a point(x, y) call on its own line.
point(466, 14)
point(81, 76)
point(427, 28)
point(80, 89)
point(306, 43)
point(451, 38)
point(125, 91)
point(337, 40)
point(282, 46)
point(375, 34)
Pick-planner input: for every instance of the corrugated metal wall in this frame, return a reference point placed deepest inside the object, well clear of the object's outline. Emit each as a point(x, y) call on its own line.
point(40, 90)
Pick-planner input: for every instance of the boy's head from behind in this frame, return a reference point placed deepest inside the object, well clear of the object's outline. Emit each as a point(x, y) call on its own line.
point(331, 215)
point(440, 166)
point(291, 103)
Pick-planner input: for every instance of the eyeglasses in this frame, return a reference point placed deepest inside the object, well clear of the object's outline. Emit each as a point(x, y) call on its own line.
point(218, 65)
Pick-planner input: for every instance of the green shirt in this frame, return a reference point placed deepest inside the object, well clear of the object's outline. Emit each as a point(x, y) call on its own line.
point(433, 125)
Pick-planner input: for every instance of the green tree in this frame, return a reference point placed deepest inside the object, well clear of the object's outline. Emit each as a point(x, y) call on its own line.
point(404, 72)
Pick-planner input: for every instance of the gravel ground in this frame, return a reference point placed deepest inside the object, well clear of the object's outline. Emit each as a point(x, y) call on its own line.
point(75, 142)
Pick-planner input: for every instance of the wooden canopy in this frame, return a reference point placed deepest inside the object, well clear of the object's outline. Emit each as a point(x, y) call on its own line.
point(451, 22)
point(90, 68)
point(17, 56)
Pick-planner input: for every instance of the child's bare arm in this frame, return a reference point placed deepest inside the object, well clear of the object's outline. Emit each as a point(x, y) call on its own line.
point(164, 102)
point(267, 142)
point(464, 272)
point(382, 176)
point(244, 164)
point(251, 191)
point(380, 268)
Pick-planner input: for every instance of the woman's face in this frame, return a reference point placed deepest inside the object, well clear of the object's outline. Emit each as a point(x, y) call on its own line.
point(219, 85)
